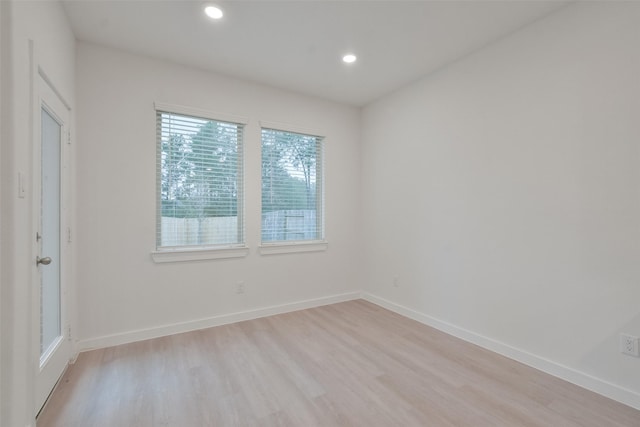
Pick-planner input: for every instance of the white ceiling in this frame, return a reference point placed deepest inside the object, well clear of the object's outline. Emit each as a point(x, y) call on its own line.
point(298, 45)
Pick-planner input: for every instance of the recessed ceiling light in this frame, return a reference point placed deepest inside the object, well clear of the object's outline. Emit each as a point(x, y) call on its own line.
point(213, 12)
point(349, 58)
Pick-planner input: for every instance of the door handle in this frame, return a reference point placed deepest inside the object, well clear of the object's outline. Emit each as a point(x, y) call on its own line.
point(43, 261)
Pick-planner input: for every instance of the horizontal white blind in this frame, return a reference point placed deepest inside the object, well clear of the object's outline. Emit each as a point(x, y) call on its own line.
point(200, 186)
point(292, 186)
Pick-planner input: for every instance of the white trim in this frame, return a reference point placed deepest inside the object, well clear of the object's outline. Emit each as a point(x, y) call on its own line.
point(223, 319)
point(292, 247)
point(55, 90)
point(198, 112)
point(582, 379)
point(285, 127)
point(44, 359)
point(180, 255)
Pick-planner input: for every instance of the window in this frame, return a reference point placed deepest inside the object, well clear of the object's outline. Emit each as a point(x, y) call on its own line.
point(200, 186)
point(292, 190)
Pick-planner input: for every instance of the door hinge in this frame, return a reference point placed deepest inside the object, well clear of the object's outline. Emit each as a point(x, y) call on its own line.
point(69, 138)
point(68, 234)
point(21, 185)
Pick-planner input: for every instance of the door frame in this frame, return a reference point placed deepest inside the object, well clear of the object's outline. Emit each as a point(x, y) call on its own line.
point(40, 82)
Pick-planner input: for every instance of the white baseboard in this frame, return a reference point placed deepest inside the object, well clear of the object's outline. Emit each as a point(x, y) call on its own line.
point(612, 391)
point(176, 328)
point(584, 380)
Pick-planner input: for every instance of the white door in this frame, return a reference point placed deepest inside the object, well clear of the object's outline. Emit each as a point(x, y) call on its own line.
point(54, 349)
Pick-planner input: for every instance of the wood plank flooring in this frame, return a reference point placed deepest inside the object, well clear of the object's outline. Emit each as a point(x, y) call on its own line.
point(347, 364)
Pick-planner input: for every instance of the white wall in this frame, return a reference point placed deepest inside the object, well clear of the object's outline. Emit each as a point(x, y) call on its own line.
point(120, 289)
point(4, 60)
point(504, 192)
point(45, 24)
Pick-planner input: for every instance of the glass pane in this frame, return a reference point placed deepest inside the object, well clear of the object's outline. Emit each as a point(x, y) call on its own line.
point(200, 175)
point(290, 194)
point(50, 328)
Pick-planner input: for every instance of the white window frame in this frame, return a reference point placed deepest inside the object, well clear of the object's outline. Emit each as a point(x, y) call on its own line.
point(197, 253)
point(295, 246)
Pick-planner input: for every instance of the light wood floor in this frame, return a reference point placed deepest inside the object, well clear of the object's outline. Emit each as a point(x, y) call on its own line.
point(348, 364)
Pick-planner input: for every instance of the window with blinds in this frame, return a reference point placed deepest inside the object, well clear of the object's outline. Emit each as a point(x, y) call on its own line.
point(292, 187)
point(200, 186)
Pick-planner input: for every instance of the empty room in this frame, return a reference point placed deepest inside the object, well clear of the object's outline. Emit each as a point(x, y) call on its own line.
point(319, 213)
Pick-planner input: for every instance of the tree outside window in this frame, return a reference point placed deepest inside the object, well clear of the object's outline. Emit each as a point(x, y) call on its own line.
point(200, 181)
point(291, 186)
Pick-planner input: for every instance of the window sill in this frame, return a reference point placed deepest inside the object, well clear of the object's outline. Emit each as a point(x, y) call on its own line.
point(180, 255)
point(294, 247)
